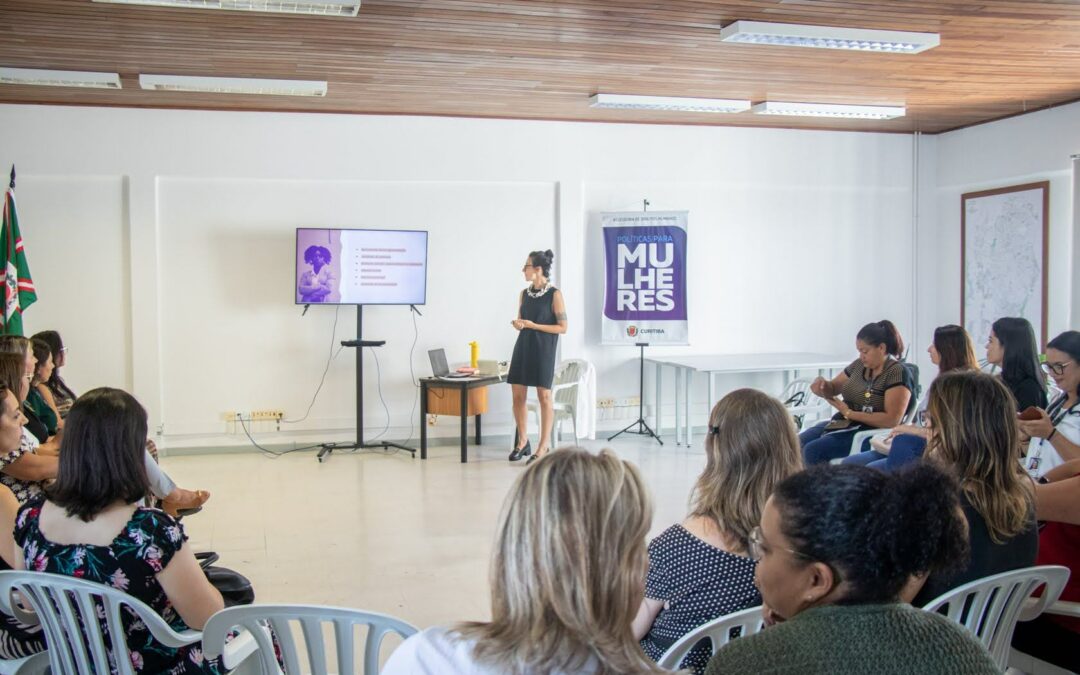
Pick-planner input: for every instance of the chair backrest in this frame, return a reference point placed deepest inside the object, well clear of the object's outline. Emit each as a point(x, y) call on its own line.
point(73, 613)
point(991, 606)
point(718, 631)
point(911, 372)
point(571, 371)
point(311, 619)
point(797, 393)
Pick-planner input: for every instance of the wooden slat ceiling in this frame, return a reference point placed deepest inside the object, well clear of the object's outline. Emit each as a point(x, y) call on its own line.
point(542, 59)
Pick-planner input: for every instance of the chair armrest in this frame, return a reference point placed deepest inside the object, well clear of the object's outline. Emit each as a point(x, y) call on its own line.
point(860, 436)
point(565, 385)
point(238, 649)
point(1064, 608)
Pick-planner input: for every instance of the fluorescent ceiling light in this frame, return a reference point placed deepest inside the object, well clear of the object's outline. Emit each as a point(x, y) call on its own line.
point(674, 103)
point(59, 78)
point(828, 37)
point(324, 7)
point(233, 85)
point(866, 112)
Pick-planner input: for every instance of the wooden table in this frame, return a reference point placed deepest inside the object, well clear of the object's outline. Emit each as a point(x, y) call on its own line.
point(463, 386)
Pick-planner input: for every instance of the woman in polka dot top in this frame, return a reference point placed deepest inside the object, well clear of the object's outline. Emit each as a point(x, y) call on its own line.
point(700, 568)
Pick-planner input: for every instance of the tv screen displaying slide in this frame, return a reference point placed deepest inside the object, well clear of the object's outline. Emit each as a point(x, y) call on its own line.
point(361, 267)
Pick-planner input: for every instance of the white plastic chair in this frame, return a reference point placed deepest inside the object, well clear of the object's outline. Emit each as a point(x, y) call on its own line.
point(36, 664)
point(312, 618)
point(812, 408)
point(77, 646)
point(718, 632)
point(569, 376)
point(991, 606)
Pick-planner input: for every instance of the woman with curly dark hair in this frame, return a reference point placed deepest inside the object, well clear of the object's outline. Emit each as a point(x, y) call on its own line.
point(832, 579)
point(320, 282)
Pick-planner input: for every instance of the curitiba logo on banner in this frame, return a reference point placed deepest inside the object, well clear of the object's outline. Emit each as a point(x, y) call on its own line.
point(645, 278)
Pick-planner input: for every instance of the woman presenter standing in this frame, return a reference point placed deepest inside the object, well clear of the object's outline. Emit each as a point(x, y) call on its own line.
point(541, 318)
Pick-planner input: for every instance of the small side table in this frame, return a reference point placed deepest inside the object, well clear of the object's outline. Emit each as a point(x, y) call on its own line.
point(465, 397)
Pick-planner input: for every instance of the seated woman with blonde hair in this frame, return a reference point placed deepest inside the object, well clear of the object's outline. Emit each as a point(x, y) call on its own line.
point(700, 569)
point(566, 578)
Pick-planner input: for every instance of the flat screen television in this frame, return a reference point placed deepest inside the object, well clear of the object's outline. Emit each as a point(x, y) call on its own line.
point(361, 267)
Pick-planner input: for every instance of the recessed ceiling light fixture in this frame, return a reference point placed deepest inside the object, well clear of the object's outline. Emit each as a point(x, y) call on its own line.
point(866, 112)
point(324, 7)
point(828, 37)
point(672, 103)
point(233, 85)
point(59, 78)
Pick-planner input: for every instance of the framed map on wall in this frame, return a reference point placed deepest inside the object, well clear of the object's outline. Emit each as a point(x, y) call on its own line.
point(1003, 239)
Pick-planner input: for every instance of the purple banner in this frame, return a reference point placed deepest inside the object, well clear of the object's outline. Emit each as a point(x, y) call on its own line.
point(645, 297)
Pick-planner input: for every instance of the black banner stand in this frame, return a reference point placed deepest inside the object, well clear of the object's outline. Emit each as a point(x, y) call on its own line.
point(326, 448)
point(643, 428)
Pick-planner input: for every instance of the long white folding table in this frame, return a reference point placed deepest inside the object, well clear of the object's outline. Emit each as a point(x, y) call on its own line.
point(712, 365)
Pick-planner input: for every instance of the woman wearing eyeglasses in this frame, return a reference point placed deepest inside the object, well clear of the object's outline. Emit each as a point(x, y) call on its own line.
point(1055, 436)
point(833, 579)
point(541, 320)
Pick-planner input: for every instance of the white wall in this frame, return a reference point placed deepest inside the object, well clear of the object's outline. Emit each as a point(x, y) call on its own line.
point(1024, 149)
point(161, 242)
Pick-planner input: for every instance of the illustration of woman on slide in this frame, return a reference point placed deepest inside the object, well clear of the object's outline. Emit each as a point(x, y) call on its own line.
point(320, 281)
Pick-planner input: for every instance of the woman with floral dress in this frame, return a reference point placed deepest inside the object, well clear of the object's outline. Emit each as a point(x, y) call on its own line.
point(88, 526)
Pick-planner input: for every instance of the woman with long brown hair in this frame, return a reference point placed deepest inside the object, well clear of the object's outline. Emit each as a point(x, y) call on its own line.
point(565, 578)
point(973, 433)
point(700, 569)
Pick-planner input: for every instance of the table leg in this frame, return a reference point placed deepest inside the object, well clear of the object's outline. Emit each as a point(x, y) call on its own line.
point(478, 430)
point(689, 388)
point(464, 424)
point(658, 402)
point(423, 419)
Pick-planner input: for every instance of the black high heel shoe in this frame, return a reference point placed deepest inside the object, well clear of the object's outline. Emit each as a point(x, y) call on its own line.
point(518, 453)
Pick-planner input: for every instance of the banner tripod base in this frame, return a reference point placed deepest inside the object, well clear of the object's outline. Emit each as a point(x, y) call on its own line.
point(643, 428)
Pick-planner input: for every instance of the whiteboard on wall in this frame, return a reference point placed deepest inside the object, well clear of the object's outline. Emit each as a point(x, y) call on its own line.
point(1003, 234)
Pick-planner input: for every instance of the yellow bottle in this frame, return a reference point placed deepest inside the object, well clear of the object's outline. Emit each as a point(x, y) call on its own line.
point(474, 355)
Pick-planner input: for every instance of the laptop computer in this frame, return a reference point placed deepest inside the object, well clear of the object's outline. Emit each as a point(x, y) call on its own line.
point(439, 366)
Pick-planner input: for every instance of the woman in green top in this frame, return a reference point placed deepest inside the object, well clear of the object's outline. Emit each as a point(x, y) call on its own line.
point(837, 550)
point(41, 406)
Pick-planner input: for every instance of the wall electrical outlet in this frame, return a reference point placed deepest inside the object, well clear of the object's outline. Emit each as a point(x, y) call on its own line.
point(270, 414)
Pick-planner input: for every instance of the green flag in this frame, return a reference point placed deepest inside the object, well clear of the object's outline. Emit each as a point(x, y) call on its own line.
point(18, 286)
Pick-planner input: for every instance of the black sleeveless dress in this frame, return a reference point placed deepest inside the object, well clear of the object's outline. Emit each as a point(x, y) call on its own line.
point(533, 364)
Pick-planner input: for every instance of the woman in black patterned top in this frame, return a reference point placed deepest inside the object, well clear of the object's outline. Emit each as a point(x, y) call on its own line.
point(872, 392)
point(699, 570)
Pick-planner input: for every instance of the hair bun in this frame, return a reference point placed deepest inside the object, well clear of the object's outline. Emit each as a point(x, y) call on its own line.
point(549, 255)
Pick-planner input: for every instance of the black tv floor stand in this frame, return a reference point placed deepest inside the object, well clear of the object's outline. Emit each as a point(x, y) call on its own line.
point(326, 448)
